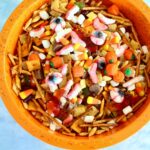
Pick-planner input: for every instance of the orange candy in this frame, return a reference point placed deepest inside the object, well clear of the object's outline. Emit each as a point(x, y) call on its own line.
point(57, 61)
point(78, 71)
point(33, 56)
point(111, 57)
point(88, 63)
point(111, 69)
point(118, 77)
point(59, 93)
point(114, 10)
point(128, 54)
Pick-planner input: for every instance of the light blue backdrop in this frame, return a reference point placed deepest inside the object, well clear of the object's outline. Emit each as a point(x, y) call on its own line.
point(13, 137)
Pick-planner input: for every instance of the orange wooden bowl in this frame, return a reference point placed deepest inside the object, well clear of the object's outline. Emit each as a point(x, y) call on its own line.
point(137, 11)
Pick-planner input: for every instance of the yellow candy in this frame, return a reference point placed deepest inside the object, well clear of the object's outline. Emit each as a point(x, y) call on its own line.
point(142, 93)
point(85, 56)
point(106, 47)
point(81, 63)
point(92, 100)
point(89, 29)
point(116, 40)
point(132, 93)
point(76, 46)
point(25, 94)
point(91, 16)
point(77, 63)
point(83, 83)
point(48, 33)
point(139, 84)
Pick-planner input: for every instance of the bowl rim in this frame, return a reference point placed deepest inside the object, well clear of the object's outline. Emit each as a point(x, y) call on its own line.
point(33, 126)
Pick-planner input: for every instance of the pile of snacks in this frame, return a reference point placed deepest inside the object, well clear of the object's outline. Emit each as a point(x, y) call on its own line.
point(79, 67)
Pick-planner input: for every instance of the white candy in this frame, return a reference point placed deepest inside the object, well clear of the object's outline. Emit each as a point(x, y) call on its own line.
point(118, 99)
point(131, 87)
point(113, 83)
point(88, 119)
point(44, 15)
point(46, 43)
point(63, 101)
point(54, 126)
point(72, 12)
point(145, 49)
point(81, 19)
point(62, 33)
point(68, 87)
point(42, 56)
point(75, 9)
point(120, 50)
point(102, 84)
point(105, 19)
point(74, 92)
point(133, 81)
point(127, 110)
point(37, 33)
point(52, 87)
point(123, 30)
point(74, 19)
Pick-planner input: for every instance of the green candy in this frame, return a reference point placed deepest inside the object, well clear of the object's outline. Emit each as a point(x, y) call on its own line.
point(128, 72)
point(51, 64)
point(80, 4)
point(111, 61)
point(105, 72)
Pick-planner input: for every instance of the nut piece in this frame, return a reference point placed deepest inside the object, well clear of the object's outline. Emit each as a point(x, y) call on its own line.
point(33, 65)
point(93, 111)
point(79, 110)
point(93, 131)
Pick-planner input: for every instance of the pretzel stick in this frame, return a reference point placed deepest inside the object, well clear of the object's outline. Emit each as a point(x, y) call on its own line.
point(138, 64)
point(118, 18)
point(38, 87)
point(97, 125)
point(139, 102)
point(101, 109)
point(19, 56)
point(94, 8)
point(147, 78)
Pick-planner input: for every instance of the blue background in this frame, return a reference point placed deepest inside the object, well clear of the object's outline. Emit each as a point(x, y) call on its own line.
point(13, 137)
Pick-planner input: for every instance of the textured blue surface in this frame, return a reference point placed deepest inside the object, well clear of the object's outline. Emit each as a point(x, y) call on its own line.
point(13, 137)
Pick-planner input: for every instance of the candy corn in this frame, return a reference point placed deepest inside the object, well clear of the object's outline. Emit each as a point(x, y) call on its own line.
point(92, 100)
